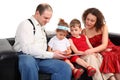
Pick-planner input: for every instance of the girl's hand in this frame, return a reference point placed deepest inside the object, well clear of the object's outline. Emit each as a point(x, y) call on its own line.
point(59, 56)
point(66, 52)
point(57, 51)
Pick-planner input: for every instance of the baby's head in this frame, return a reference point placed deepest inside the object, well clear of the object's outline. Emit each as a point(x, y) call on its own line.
point(62, 30)
point(75, 27)
point(75, 23)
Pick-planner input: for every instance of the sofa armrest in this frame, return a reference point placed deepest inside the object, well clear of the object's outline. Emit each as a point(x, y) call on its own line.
point(7, 54)
point(9, 66)
point(115, 38)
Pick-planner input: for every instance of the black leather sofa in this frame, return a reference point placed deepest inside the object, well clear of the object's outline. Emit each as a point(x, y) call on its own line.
point(9, 60)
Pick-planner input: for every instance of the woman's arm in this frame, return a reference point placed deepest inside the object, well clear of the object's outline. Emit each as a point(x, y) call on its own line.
point(104, 43)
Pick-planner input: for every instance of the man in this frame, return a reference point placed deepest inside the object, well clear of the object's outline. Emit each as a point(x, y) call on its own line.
point(31, 44)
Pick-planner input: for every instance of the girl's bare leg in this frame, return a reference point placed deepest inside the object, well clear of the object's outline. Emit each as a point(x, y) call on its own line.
point(112, 78)
point(82, 62)
point(117, 76)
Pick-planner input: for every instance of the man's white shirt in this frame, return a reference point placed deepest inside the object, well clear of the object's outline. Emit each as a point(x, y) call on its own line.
point(30, 43)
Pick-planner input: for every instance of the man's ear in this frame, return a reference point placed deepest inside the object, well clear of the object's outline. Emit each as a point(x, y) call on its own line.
point(37, 13)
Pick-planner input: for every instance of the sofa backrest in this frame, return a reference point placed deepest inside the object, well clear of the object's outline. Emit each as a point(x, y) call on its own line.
point(11, 41)
point(115, 38)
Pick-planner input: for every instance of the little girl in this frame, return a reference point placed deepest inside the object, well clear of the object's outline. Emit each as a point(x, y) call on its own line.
point(60, 44)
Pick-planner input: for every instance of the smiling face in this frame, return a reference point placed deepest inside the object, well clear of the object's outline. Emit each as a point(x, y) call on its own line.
point(90, 21)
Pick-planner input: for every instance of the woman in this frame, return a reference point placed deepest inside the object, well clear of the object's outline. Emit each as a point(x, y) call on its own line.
point(97, 33)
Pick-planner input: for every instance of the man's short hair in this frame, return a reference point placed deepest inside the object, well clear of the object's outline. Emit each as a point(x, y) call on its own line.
point(42, 7)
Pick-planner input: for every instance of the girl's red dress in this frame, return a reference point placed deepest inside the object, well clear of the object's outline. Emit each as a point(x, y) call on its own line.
point(80, 44)
point(111, 55)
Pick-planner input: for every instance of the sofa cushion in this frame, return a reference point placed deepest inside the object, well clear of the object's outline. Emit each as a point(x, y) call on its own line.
point(5, 46)
point(6, 49)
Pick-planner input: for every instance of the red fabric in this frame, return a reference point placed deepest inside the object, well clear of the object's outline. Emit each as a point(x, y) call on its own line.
point(111, 59)
point(65, 59)
point(73, 58)
point(80, 44)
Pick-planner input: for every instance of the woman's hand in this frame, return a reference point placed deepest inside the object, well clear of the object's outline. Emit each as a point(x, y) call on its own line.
point(108, 49)
point(88, 51)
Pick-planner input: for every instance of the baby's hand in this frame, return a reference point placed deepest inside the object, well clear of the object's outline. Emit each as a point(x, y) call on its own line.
point(66, 53)
point(57, 51)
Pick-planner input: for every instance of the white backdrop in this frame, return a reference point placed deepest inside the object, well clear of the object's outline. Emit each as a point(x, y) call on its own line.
point(12, 12)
